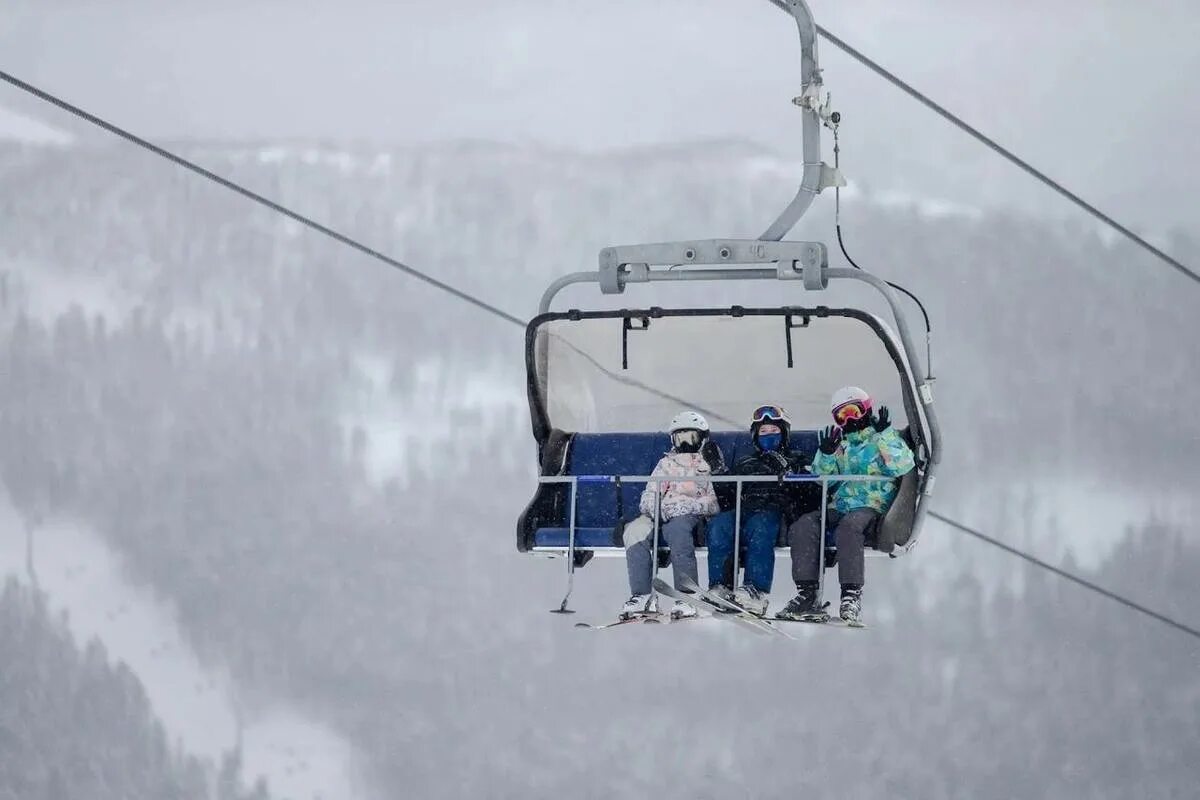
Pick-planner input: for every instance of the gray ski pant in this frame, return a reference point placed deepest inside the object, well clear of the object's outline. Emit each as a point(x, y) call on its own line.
point(674, 533)
point(806, 539)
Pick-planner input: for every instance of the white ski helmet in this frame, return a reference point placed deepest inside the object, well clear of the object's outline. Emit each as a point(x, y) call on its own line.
point(848, 395)
point(689, 421)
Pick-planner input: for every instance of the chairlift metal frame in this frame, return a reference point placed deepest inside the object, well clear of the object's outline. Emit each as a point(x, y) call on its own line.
point(768, 257)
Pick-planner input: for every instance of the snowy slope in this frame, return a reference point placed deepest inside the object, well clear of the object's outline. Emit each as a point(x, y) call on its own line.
point(20, 128)
point(83, 579)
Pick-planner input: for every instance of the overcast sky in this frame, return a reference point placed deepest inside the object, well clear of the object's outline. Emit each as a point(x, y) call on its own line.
point(1102, 94)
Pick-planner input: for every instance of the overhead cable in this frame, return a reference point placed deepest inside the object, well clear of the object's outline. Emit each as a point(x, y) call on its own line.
point(1062, 573)
point(257, 198)
point(999, 149)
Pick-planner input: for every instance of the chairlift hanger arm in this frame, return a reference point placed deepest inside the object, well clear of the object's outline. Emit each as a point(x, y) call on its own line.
point(817, 174)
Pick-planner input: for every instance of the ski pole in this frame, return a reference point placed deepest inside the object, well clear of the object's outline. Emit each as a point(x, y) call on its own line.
point(737, 534)
point(653, 601)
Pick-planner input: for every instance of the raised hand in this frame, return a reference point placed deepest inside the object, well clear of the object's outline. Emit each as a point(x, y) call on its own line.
point(882, 420)
point(829, 440)
point(710, 451)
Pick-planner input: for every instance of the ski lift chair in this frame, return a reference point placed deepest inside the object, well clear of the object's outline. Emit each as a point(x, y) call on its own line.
point(594, 419)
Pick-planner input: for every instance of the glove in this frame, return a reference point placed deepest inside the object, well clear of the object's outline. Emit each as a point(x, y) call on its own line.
point(882, 420)
point(829, 440)
point(711, 454)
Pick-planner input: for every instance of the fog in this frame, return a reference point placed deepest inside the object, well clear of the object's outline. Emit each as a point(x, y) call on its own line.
point(301, 470)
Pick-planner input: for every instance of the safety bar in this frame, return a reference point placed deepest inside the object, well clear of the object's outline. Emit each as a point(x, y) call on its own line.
point(575, 480)
point(712, 478)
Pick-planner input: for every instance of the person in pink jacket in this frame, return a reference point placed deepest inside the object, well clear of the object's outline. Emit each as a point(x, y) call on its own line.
point(683, 506)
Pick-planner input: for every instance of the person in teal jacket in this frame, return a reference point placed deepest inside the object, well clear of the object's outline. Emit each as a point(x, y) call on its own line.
point(862, 442)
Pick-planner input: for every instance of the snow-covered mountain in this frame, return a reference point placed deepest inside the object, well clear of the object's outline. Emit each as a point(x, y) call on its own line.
point(285, 439)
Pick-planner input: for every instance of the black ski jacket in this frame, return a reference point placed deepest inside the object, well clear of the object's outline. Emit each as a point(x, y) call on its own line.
point(789, 498)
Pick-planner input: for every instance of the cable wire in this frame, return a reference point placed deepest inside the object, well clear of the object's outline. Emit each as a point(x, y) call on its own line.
point(996, 147)
point(495, 311)
point(257, 198)
point(837, 225)
point(1066, 575)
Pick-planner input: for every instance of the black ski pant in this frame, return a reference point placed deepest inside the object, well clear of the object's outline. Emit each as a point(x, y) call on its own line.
point(806, 539)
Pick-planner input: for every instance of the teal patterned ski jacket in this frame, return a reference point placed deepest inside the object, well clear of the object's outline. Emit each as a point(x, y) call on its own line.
point(866, 453)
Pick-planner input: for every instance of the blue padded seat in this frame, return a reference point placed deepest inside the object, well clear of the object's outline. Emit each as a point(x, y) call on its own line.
point(585, 538)
point(598, 505)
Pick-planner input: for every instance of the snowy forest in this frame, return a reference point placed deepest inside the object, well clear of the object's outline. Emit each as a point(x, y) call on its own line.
point(76, 725)
point(272, 433)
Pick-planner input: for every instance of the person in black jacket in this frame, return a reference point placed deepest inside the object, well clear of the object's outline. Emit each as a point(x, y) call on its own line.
point(766, 508)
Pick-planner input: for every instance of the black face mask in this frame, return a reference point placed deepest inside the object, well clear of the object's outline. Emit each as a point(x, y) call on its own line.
point(856, 425)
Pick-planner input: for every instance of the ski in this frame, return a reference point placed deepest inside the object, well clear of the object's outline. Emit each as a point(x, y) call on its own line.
point(729, 607)
point(652, 619)
point(720, 602)
point(602, 625)
point(830, 622)
point(710, 610)
point(739, 617)
point(648, 619)
point(822, 617)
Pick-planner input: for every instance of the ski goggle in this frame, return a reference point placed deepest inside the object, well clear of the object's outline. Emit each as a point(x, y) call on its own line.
point(848, 411)
point(692, 438)
point(764, 413)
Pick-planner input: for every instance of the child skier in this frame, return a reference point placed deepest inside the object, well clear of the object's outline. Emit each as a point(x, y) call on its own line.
point(765, 508)
point(684, 505)
point(862, 443)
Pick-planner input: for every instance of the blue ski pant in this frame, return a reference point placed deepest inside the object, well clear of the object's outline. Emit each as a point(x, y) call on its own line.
point(757, 556)
point(676, 533)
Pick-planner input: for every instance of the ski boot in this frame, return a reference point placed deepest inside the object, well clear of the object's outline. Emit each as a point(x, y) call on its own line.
point(751, 599)
point(640, 605)
point(682, 610)
point(851, 610)
point(722, 591)
point(803, 606)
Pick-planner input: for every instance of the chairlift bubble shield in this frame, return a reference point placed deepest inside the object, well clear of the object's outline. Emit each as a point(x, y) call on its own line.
point(723, 364)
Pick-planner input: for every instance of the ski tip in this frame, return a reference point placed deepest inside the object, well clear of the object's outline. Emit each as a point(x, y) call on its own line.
point(814, 619)
point(827, 621)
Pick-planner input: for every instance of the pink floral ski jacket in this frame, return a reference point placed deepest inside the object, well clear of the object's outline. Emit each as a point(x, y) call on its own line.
point(683, 496)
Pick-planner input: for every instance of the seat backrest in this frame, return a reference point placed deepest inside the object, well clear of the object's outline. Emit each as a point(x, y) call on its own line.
point(895, 529)
point(735, 444)
point(598, 504)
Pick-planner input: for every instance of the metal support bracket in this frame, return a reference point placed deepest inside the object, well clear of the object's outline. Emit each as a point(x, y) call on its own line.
point(789, 324)
point(626, 327)
point(625, 264)
point(831, 178)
